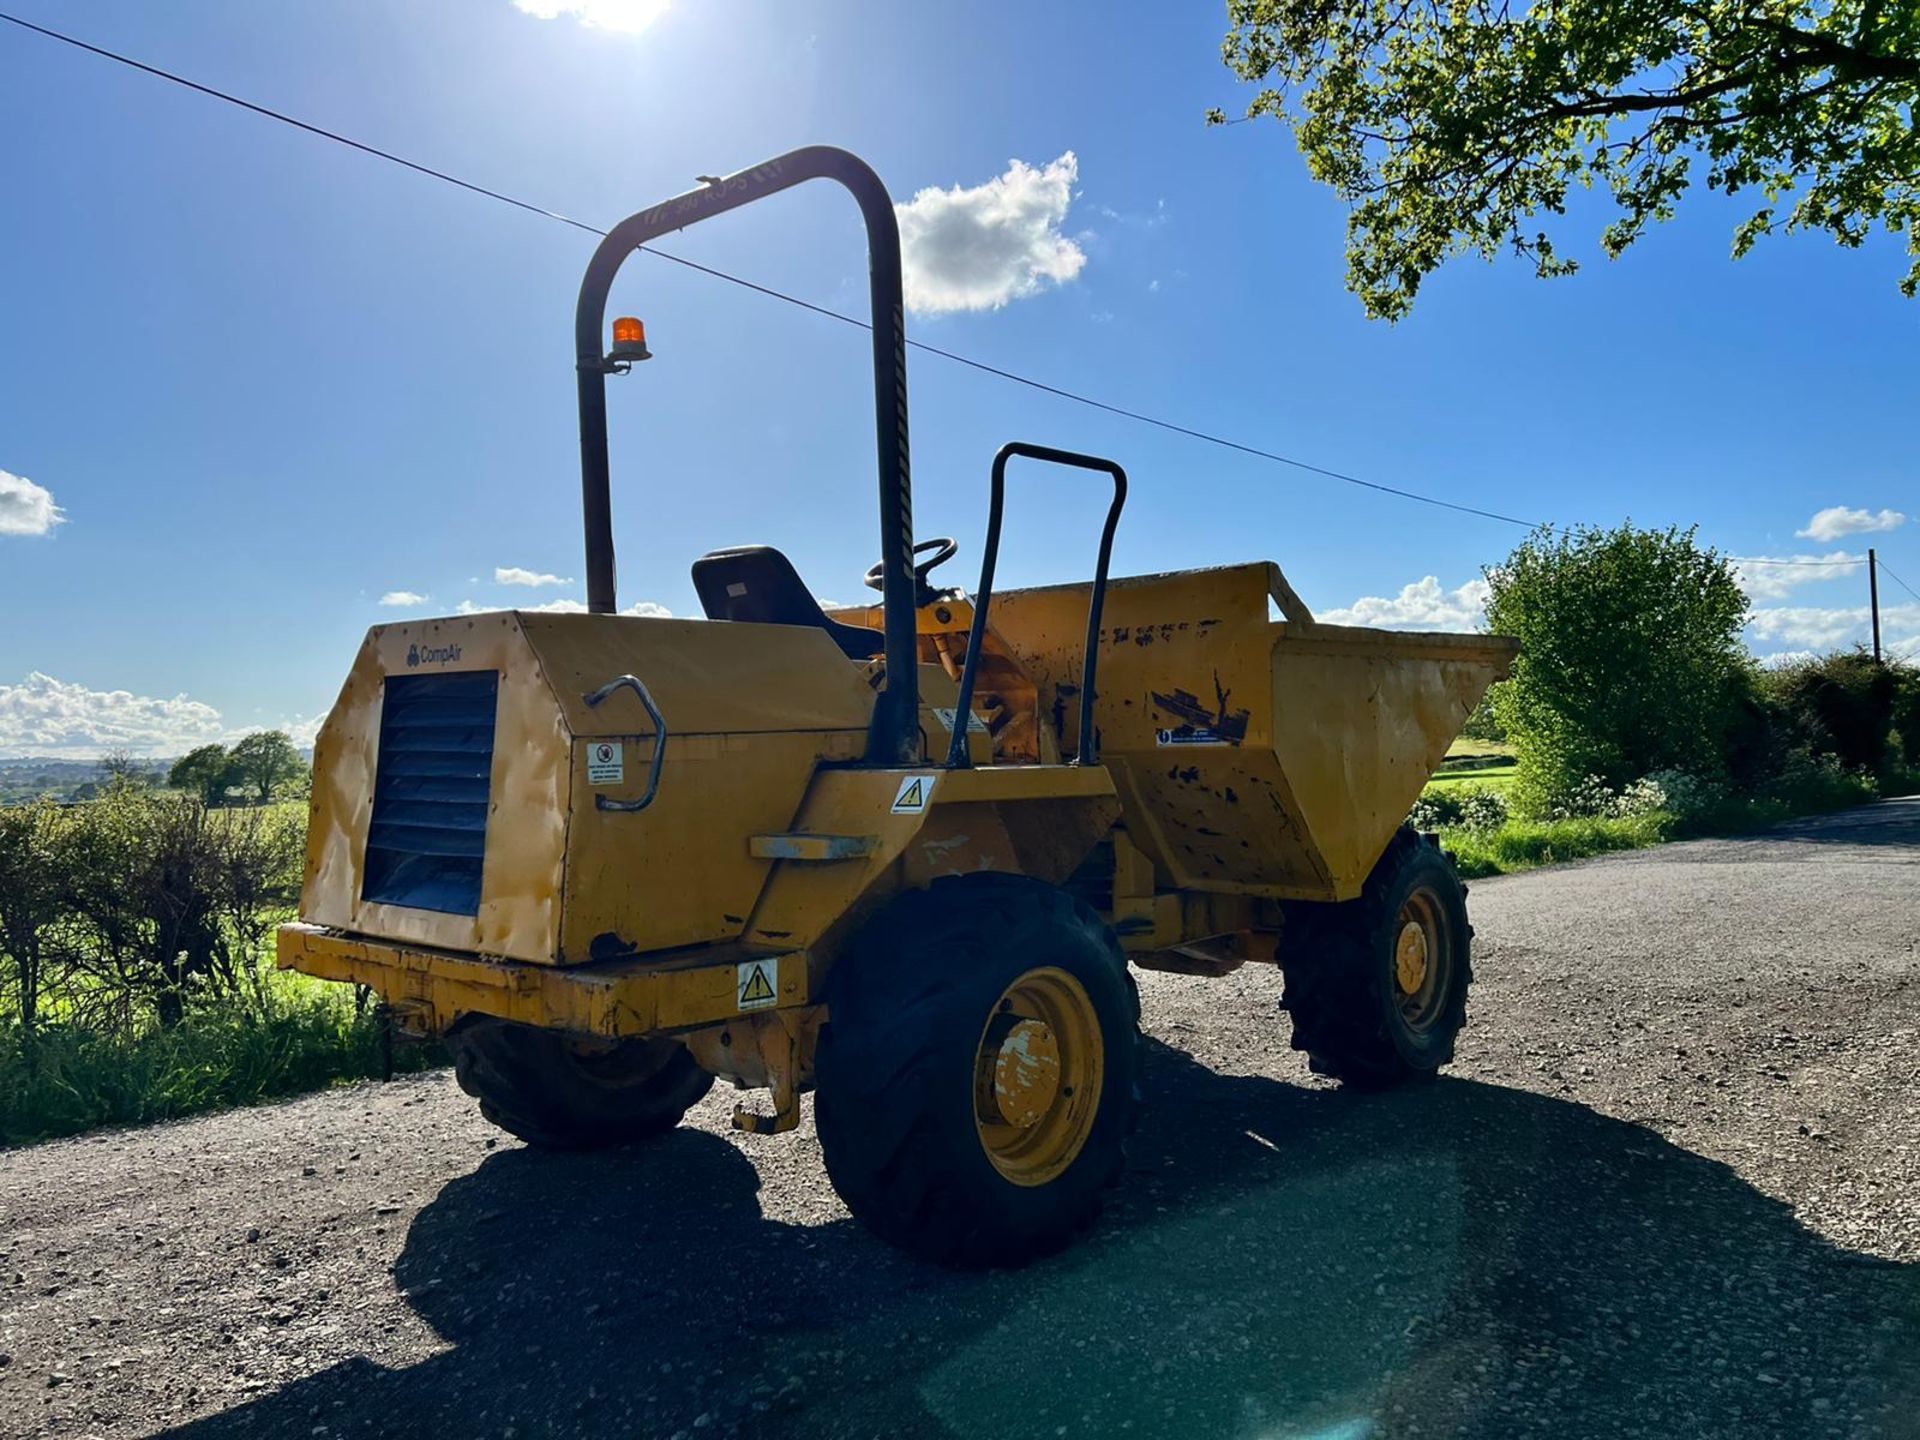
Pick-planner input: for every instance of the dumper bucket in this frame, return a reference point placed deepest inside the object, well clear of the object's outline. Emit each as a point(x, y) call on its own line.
point(1252, 755)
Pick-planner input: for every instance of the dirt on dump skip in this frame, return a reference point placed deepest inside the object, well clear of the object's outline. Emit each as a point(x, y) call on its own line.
point(1671, 1188)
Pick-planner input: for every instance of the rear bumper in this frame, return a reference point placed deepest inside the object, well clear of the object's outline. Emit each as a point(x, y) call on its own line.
point(430, 989)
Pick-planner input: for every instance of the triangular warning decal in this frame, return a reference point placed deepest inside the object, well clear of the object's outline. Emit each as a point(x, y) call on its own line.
point(914, 793)
point(757, 981)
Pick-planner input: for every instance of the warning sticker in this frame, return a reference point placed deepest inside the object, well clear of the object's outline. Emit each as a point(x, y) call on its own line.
point(758, 985)
point(606, 763)
point(1193, 735)
point(915, 792)
point(974, 723)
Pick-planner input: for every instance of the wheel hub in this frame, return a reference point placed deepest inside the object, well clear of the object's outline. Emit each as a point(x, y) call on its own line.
point(1037, 1076)
point(1410, 958)
point(1026, 1073)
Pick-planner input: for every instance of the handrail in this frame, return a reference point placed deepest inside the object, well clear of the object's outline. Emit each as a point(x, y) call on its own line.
point(894, 735)
point(593, 699)
point(957, 757)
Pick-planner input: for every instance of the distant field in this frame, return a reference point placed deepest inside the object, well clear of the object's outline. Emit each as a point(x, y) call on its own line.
point(1463, 748)
point(1486, 777)
point(1485, 763)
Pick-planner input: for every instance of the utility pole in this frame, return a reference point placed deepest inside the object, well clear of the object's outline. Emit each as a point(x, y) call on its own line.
point(1873, 593)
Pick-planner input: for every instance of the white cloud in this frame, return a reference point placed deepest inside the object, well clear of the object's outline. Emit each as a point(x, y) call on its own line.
point(979, 248)
point(1770, 577)
point(1150, 220)
point(1810, 628)
point(45, 716)
point(303, 732)
point(629, 17)
point(1422, 605)
point(1837, 520)
point(26, 508)
point(645, 608)
point(514, 575)
point(403, 598)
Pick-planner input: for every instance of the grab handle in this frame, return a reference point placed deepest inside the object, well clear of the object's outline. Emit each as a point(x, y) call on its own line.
point(632, 682)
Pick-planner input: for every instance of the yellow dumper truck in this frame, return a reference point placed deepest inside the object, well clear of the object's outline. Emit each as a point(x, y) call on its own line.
point(900, 856)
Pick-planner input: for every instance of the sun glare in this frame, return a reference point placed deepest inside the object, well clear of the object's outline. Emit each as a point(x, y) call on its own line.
point(629, 17)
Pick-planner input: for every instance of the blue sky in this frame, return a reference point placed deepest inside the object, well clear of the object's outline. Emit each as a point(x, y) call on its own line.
point(268, 381)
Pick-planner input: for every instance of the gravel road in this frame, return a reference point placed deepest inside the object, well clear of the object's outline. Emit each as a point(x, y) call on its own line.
point(1672, 1188)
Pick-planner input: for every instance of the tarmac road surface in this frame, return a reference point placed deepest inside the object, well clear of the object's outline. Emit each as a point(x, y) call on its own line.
point(1671, 1188)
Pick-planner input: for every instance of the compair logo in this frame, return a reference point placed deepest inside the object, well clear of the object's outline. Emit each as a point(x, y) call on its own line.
point(431, 655)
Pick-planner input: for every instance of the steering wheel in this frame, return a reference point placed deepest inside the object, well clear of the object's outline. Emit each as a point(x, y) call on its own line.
point(944, 549)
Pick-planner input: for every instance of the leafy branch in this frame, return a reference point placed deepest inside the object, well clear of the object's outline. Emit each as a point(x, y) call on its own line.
point(1460, 127)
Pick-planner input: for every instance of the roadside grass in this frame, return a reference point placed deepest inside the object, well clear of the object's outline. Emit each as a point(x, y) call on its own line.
point(1527, 844)
point(305, 1035)
point(289, 1034)
point(1523, 844)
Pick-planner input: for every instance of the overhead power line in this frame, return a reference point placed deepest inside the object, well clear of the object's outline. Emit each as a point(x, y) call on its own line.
point(1770, 560)
point(1898, 581)
point(1138, 416)
point(1061, 392)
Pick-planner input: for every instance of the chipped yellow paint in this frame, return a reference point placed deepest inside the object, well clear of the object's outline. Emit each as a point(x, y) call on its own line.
point(974, 820)
point(756, 717)
point(1244, 760)
point(1038, 1071)
point(1254, 756)
point(532, 795)
point(1026, 1073)
point(609, 1000)
point(560, 874)
point(1410, 958)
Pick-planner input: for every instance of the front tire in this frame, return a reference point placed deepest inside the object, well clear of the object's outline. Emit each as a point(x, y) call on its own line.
point(978, 1076)
point(560, 1093)
point(1377, 987)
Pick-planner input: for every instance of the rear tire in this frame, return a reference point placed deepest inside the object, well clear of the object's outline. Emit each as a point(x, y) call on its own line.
point(1377, 987)
point(978, 1076)
point(564, 1094)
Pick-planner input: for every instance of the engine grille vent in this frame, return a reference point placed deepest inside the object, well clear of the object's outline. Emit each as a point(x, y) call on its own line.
point(428, 837)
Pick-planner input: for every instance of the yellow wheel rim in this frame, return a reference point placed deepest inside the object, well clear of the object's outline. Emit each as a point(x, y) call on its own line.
point(1410, 958)
point(1037, 1076)
point(1422, 961)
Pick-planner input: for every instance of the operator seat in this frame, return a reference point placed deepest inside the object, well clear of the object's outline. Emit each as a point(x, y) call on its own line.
point(757, 583)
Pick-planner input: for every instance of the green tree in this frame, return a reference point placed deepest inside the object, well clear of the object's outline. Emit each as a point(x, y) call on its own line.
point(32, 901)
point(122, 767)
point(1453, 128)
point(267, 761)
point(1631, 660)
point(1840, 705)
point(206, 772)
point(1906, 710)
point(172, 901)
point(1484, 723)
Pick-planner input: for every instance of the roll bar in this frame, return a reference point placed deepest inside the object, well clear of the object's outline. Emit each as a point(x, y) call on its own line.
point(1089, 752)
point(893, 738)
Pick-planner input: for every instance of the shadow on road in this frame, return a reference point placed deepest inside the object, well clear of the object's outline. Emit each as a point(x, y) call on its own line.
point(1460, 1259)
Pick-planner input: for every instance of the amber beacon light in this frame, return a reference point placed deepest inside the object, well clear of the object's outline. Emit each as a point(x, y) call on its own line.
point(629, 341)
